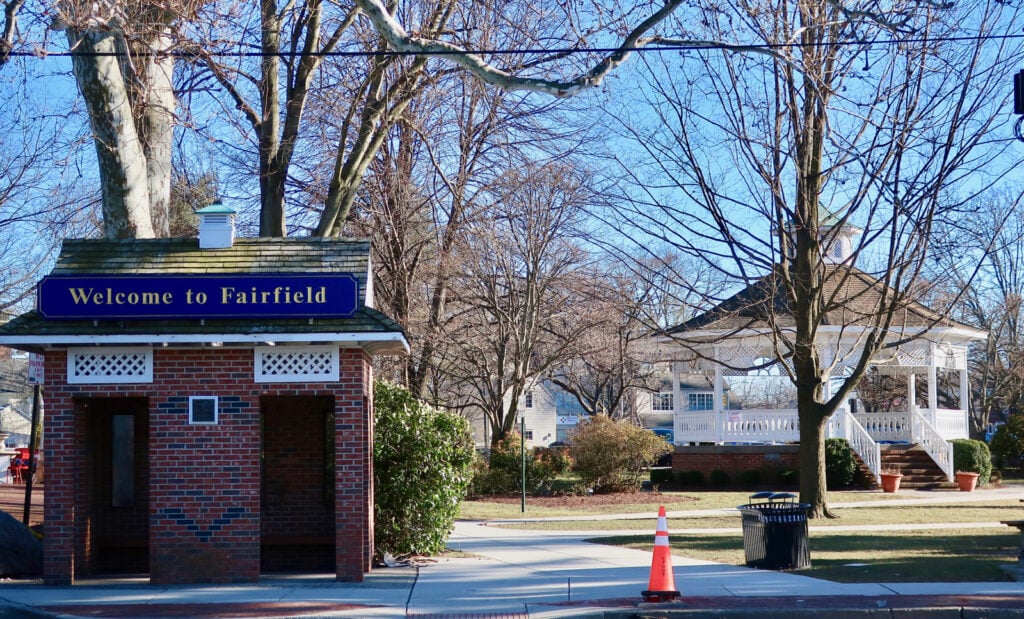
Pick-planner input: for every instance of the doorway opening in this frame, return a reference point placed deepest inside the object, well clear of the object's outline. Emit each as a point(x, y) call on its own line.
point(114, 495)
point(297, 530)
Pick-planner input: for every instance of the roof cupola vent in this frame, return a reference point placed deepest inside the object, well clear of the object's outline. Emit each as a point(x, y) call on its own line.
point(216, 226)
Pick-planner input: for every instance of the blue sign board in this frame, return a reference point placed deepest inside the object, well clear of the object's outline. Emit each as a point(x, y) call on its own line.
point(243, 295)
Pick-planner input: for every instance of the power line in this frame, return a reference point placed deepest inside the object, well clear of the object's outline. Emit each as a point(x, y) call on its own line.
point(701, 46)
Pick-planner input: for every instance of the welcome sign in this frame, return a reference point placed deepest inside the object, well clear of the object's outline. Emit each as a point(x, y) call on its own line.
point(244, 295)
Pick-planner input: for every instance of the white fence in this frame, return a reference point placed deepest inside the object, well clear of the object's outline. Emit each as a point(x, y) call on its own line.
point(845, 425)
point(894, 427)
point(863, 430)
point(940, 450)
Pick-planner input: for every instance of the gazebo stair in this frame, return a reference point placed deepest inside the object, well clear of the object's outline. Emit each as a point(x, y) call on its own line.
point(918, 469)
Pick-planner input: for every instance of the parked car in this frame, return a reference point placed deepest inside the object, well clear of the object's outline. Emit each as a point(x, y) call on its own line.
point(668, 434)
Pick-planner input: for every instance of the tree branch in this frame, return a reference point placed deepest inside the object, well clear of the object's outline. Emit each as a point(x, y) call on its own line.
point(11, 9)
point(399, 40)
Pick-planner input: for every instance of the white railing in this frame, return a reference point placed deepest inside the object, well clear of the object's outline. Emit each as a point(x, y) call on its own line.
point(951, 424)
point(761, 426)
point(940, 450)
point(695, 427)
point(844, 425)
point(894, 426)
point(862, 430)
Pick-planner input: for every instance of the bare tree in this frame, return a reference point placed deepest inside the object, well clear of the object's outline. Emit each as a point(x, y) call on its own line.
point(990, 297)
point(9, 29)
point(608, 361)
point(40, 196)
point(770, 156)
point(516, 292)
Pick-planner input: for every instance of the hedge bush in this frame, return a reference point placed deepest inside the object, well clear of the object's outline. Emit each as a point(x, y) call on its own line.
point(750, 478)
point(974, 457)
point(662, 476)
point(423, 461)
point(503, 474)
point(788, 477)
point(840, 463)
point(690, 479)
point(1008, 441)
point(614, 455)
point(720, 478)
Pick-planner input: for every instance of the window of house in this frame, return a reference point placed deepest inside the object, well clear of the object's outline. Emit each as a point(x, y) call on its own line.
point(700, 401)
point(661, 401)
point(529, 435)
point(529, 399)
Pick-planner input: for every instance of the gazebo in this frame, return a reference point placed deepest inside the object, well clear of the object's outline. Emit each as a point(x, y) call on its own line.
point(740, 333)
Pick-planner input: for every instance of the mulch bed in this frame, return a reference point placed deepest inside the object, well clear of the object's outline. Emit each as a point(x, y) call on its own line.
point(12, 501)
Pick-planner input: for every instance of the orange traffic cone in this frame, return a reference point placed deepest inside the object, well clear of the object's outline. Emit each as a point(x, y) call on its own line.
point(662, 585)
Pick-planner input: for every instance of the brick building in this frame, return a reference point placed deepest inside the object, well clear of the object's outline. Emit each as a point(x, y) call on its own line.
point(209, 406)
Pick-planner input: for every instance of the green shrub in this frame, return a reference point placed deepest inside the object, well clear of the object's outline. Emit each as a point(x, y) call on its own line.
point(788, 477)
point(422, 461)
point(662, 476)
point(1008, 441)
point(750, 478)
point(720, 478)
point(614, 455)
point(504, 472)
point(840, 463)
point(690, 479)
point(972, 456)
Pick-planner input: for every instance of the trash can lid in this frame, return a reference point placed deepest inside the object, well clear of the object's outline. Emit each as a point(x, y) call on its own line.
point(773, 496)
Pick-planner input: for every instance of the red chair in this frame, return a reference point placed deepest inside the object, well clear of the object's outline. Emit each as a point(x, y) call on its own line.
point(19, 465)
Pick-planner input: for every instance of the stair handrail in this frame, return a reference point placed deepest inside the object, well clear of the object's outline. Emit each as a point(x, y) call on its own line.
point(938, 448)
point(844, 425)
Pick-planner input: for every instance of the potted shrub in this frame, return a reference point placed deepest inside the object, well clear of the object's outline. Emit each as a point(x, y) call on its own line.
point(966, 480)
point(971, 456)
point(891, 479)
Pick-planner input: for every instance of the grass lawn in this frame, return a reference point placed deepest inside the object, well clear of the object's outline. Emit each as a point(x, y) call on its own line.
point(972, 555)
point(994, 511)
point(645, 502)
point(921, 555)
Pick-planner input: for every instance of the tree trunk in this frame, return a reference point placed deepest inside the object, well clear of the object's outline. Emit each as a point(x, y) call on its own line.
point(813, 485)
point(272, 179)
point(156, 115)
point(119, 151)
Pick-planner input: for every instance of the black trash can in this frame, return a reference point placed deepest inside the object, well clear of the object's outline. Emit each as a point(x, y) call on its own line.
point(775, 532)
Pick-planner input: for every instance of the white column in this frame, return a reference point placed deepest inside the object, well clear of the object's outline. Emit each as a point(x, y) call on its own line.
point(965, 403)
point(717, 406)
point(933, 388)
point(677, 405)
point(826, 391)
point(912, 401)
point(911, 391)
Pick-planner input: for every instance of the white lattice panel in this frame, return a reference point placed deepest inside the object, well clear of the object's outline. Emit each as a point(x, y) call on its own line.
point(110, 365)
point(296, 364)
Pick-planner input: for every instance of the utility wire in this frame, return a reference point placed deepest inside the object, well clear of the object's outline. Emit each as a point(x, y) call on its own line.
point(702, 46)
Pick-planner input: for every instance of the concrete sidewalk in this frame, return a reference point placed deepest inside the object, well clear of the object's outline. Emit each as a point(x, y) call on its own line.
point(528, 573)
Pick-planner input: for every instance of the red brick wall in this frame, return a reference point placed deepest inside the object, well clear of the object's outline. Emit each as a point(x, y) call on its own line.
point(204, 481)
point(735, 459)
point(353, 463)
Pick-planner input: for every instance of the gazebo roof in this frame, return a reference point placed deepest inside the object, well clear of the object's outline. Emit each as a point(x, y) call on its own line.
point(853, 299)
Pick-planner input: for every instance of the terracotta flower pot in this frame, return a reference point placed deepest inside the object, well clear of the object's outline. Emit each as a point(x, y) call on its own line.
point(966, 481)
point(891, 481)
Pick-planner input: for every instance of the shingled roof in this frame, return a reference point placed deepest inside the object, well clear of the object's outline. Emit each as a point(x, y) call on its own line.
point(367, 327)
point(853, 298)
